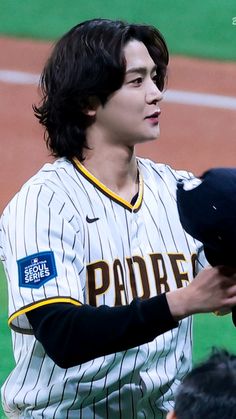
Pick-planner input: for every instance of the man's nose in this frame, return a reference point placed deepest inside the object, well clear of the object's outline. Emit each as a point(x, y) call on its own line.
point(153, 94)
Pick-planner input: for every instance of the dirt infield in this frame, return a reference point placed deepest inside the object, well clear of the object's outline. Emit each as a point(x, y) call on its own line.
point(192, 137)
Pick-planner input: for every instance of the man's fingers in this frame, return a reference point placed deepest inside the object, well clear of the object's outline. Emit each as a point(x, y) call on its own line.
point(229, 271)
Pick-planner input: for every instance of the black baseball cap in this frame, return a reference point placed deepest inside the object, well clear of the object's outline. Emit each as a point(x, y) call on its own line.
point(208, 213)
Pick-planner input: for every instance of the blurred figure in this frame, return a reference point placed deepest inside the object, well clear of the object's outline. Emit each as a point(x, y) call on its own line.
point(209, 390)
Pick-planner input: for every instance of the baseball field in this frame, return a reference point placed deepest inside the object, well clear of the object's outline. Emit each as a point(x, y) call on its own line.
point(198, 121)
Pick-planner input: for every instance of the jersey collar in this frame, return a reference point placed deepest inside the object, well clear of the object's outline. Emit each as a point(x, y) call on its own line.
point(108, 192)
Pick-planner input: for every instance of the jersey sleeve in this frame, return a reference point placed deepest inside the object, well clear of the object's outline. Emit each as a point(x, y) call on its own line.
point(42, 253)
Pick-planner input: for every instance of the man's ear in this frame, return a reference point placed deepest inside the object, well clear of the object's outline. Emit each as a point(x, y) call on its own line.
point(91, 108)
point(89, 111)
point(171, 415)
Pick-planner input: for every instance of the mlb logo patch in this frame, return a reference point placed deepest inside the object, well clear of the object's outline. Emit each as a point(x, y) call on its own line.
point(35, 270)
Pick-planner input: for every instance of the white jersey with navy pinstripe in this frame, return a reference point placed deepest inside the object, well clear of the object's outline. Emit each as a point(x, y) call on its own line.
point(66, 237)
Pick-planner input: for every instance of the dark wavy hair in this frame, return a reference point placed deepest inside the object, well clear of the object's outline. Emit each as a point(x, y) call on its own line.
point(87, 63)
point(209, 390)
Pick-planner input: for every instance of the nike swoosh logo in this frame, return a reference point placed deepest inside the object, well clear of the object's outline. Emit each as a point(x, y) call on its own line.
point(91, 220)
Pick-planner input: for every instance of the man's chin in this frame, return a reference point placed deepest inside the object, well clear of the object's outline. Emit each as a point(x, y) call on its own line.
point(151, 138)
point(145, 139)
point(155, 134)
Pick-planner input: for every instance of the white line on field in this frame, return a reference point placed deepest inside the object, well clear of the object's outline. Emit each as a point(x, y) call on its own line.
point(172, 96)
point(18, 77)
point(201, 99)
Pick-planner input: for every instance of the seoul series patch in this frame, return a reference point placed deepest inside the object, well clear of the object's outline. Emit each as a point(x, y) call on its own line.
point(35, 270)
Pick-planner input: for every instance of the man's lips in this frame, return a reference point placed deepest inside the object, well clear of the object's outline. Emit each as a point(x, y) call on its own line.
point(154, 116)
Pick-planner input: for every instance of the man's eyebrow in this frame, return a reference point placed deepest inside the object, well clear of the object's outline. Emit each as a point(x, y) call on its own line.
point(141, 70)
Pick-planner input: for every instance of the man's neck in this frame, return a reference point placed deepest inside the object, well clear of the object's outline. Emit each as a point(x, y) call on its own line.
point(116, 168)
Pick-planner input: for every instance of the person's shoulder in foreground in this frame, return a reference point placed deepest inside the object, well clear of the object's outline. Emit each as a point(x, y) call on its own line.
point(209, 390)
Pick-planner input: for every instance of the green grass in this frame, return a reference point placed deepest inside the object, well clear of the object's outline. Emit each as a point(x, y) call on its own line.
point(202, 28)
point(5, 341)
point(6, 355)
point(209, 331)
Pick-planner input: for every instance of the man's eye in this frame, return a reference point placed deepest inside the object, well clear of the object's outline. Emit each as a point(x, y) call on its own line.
point(137, 81)
point(158, 80)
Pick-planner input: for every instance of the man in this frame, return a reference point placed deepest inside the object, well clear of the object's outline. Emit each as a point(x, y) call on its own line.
point(208, 391)
point(99, 267)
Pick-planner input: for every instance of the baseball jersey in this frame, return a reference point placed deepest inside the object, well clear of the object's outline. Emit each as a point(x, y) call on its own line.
point(66, 237)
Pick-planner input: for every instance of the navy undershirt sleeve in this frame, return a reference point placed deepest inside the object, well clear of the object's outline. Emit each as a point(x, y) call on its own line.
point(72, 334)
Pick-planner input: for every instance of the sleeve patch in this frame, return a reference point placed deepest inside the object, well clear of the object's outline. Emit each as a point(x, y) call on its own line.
point(35, 270)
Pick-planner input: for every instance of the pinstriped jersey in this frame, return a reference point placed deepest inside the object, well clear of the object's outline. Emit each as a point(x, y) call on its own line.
point(65, 237)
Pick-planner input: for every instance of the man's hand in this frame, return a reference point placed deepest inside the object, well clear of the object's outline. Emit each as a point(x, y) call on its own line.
point(212, 290)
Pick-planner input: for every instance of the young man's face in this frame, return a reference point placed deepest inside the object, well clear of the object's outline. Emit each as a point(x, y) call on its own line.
point(131, 114)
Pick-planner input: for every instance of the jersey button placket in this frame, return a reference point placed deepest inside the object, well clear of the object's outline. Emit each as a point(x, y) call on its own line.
point(134, 232)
